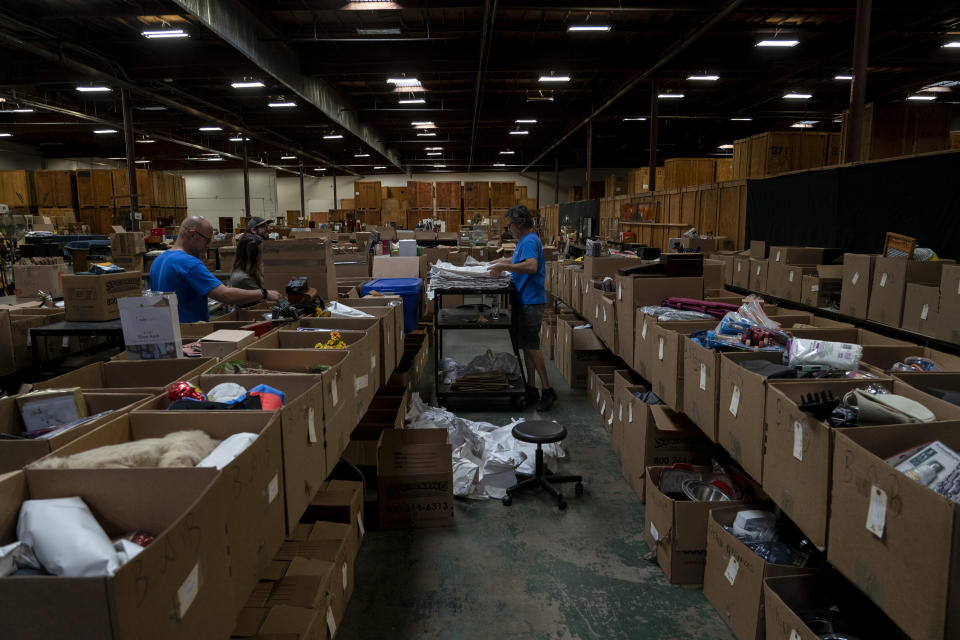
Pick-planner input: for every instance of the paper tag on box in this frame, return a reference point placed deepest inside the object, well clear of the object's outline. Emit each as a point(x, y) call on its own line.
point(343, 573)
point(311, 427)
point(924, 312)
point(373, 362)
point(29, 338)
point(790, 277)
point(334, 392)
point(596, 311)
point(877, 513)
point(610, 421)
point(735, 401)
point(620, 413)
point(733, 568)
point(778, 257)
point(630, 413)
point(273, 489)
point(654, 532)
point(361, 382)
point(855, 278)
point(660, 354)
point(883, 280)
point(604, 314)
point(798, 440)
point(739, 267)
point(603, 408)
point(598, 398)
point(188, 591)
point(643, 331)
point(331, 622)
point(363, 531)
point(619, 291)
point(758, 269)
point(703, 377)
point(794, 634)
point(814, 288)
point(66, 341)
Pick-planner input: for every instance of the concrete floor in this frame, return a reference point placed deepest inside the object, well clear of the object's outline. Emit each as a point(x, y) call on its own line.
point(530, 570)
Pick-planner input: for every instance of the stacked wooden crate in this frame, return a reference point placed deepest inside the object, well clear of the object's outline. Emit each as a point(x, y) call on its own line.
point(775, 152)
point(393, 207)
point(420, 197)
point(95, 199)
point(368, 198)
point(892, 130)
point(549, 223)
point(476, 201)
point(638, 180)
point(449, 203)
point(168, 198)
point(688, 172)
point(615, 186)
point(17, 191)
point(503, 195)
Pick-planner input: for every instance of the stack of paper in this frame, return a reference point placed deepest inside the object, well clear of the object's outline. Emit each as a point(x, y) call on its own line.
point(444, 275)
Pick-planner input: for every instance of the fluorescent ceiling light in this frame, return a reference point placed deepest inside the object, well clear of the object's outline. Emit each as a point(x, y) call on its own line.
point(288, 157)
point(5, 135)
point(375, 168)
point(211, 154)
point(952, 45)
point(426, 135)
point(554, 78)
point(804, 124)
point(239, 139)
point(156, 107)
point(422, 124)
point(104, 130)
point(843, 77)
point(519, 133)
point(797, 96)
point(499, 164)
point(433, 149)
point(142, 161)
point(97, 89)
point(778, 43)
point(703, 77)
point(531, 121)
point(435, 153)
point(589, 27)
point(838, 120)
point(634, 119)
point(146, 140)
point(403, 82)
point(507, 153)
point(335, 136)
point(921, 97)
point(540, 98)
point(361, 155)
point(320, 169)
point(439, 166)
point(211, 128)
point(741, 119)
point(667, 96)
point(412, 101)
point(281, 104)
point(386, 31)
point(725, 146)
point(165, 33)
point(17, 110)
point(247, 84)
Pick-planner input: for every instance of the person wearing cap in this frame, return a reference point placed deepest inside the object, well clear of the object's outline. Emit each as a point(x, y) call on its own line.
point(181, 270)
point(260, 227)
point(528, 270)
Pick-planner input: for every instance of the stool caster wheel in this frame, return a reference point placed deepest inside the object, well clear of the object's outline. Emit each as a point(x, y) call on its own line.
point(520, 403)
point(578, 489)
point(562, 504)
point(507, 500)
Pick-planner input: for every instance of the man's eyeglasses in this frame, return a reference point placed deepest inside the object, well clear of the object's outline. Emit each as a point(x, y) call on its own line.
point(206, 238)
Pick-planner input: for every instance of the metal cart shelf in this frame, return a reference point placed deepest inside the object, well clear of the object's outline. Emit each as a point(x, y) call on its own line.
point(469, 318)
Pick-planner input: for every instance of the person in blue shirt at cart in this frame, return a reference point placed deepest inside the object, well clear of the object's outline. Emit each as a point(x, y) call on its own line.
point(181, 270)
point(528, 270)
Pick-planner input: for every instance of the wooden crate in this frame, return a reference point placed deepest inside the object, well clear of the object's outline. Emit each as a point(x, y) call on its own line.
point(180, 189)
point(653, 234)
point(94, 188)
point(529, 203)
point(121, 187)
point(54, 189)
point(615, 186)
point(689, 205)
point(448, 194)
point(741, 158)
point(549, 222)
point(724, 169)
point(502, 195)
point(370, 217)
point(451, 218)
point(519, 193)
point(672, 199)
point(348, 204)
point(834, 149)
point(776, 152)
point(955, 139)
point(574, 194)
point(892, 130)
point(367, 194)
point(707, 208)
point(476, 195)
point(638, 180)
point(732, 211)
point(17, 189)
point(99, 219)
point(688, 172)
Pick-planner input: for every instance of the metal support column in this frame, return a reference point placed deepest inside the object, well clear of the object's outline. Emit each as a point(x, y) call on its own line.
point(131, 153)
point(303, 206)
point(538, 189)
point(858, 87)
point(589, 176)
point(336, 206)
point(556, 178)
point(246, 179)
point(652, 180)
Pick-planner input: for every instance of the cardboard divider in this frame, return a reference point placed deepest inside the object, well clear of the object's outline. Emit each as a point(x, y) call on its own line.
point(386, 353)
point(577, 349)
point(884, 357)
point(151, 376)
point(379, 308)
point(665, 362)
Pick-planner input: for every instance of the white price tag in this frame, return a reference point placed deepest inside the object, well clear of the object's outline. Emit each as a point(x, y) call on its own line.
point(188, 590)
point(331, 622)
point(739, 267)
point(883, 280)
point(343, 573)
point(855, 278)
point(373, 362)
point(363, 531)
point(733, 568)
point(794, 634)
point(703, 377)
point(29, 338)
point(273, 489)
point(798, 440)
point(603, 407)
point(660, 354)
point(604, 314)
point(334, 392)
point(610, 421)
point(598, 398)
point(630, 413)
point(361, 382)
point(758, 269)
point(877, 513)
point(65, 342)
point(814, 288)
point(735, 401)
point(311, 427)
point(924, 312)
point(643, 331)
point(596, 311)
point(778, 257)
point(958, 288)
point(790, 277)
point(654, 532)
point(620, 413)
point(619, 291)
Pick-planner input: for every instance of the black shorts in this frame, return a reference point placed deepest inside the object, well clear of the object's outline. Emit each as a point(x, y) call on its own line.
point(529, 318)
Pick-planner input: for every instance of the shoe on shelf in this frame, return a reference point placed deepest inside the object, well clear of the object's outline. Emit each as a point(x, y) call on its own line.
point(533, 396)
point(547, 399)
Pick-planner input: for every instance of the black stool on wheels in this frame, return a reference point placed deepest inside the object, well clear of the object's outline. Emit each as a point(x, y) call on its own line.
point(541, 432)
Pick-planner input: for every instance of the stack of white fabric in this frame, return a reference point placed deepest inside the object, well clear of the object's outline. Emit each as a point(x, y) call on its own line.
point(472, 275)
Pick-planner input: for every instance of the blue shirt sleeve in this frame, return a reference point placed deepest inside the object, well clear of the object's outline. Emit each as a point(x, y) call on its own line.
point(199, 278)
point(526, 248)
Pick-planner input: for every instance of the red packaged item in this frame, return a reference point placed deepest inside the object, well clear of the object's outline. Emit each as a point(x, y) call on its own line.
point(183, 389)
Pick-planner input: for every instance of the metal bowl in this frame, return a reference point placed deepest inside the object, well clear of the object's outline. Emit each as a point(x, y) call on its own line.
point(701, 491)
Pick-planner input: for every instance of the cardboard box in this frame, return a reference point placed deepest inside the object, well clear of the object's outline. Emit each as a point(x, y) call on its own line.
point(758, 275)
point(734, 576)
point(665, 366)
point(186, 566)
point(29, 279)
point(701, 379)
point(948, 321)
point(921, 308)
point(713, 274)
point(93, 298)
point(638, 291)
point(396, 267)
point(824, 288)
point(707, 245)
point(623, 379)
point(599, 310)
point(414, 479)
point(339, 501)
point(127, 243)
point(890, 280)
point(758, 249)
point(383, 354)
point(857, 284)
point(386, 310)
point(908, 566)
point(577, 350)
point(151, 327)
point(884, 357)
point(741, 271)
point(594, 268)
point(223, 342)
point(129, 263)
point(313, 258)
point(151, 376)
point(676, 530)
point(803, 255)
point(785, 281)
point(727, 258)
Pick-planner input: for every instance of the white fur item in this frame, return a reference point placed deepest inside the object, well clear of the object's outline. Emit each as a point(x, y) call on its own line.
point(177, 449)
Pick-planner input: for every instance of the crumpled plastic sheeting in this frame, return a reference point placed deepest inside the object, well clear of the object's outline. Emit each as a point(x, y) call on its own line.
point(484, 363)
point(340, 310)
point(669, 313)
point(486, 457)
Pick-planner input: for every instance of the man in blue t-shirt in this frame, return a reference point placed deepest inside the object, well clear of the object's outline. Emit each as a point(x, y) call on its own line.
point(181, 270)
point(529, 272)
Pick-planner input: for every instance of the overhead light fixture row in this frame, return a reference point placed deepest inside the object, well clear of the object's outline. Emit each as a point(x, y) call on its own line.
point(94, 89)
point(412, 101)
point(797, 96)
point(247, 84)
point(554, 78)
point(284, 104)
point(778, 43)
point(335, 136)
point(165, 33)
point(589, 27)
point(211, 128)
point(706, 78)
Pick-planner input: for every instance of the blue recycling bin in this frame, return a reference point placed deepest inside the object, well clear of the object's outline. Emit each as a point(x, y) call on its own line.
point(408, 289)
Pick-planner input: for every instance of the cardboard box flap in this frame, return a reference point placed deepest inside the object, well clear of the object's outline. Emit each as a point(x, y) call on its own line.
point(833, 271)
point(229, 335)
point(668, 420)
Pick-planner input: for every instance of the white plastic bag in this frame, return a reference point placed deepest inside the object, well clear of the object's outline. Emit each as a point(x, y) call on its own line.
point(339, 310)
point(228, 450)
point(66, 539)
point(834, 355)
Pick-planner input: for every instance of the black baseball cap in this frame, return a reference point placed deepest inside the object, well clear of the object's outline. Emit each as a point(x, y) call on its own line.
point(257, 222)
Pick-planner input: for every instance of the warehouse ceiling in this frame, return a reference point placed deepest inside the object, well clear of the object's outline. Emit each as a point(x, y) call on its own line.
point(485, 80)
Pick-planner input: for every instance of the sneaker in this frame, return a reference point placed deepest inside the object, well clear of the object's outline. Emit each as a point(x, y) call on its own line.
point(547, 399)
point(533, 396)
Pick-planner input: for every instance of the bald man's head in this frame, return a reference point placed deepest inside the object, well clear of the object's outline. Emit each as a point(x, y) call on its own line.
point(194, 236)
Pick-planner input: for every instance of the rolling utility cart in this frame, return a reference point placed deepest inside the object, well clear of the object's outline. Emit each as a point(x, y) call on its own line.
point(472, 317)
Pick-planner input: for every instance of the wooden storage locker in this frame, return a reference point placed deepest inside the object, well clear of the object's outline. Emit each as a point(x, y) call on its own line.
point(672, 202)
point(732, 211)
point(638, 180)
point(707, 204)
point(574, 194)
point(615, 186)
point(371, 217)
point(741, 159)
point(94, 188)
point(99, 219)
point(724, 169)
point(121, 187)
point(476, 195)
point(834, 148)
point(776, 152)
point(348, 204)
point(519, 193)
point(955, 139)
point(688, 172)
point(448, 195)
point(420, 194)
point(451, 218)
point(367, 194)
point(180, 184)
point(502, 195)
point(17, 189)
point(54, 188)
point(689, 203)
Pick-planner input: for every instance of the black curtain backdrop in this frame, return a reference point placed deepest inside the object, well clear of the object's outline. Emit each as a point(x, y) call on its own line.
point(853, 207)
point(575, 211)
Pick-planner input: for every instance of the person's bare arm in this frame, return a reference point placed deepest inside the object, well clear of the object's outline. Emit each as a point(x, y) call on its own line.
point(528, 266)
point(232, 295)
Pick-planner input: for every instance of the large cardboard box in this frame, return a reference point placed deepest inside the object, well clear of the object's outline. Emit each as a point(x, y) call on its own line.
point(29, 279)
point(17, 452)
point(884, 357)
point(676, 530)
point(948, 322)
point(251, 482)
point(741, 271)
point(93, 298)
point(386, 310)
point(178, 586)
point(666, 361)
point(414, 479)
point(701, 380)
point(313, 258)
point(786, 280)
point(799, 449)
point(639, 291)
point(383, 353)
point(594, 268)
point(921, 308)
point(223, 342)
point(803, 255)
point(824, 287)
point(734, 576)
point(758, 275)
point(147, 375)
point(857, 284)
point(578, 348)
point(907, 561)
point(339, 501)
point(890, 279)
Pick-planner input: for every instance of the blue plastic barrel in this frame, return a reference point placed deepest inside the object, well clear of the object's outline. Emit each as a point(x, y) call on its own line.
point(407, 288)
